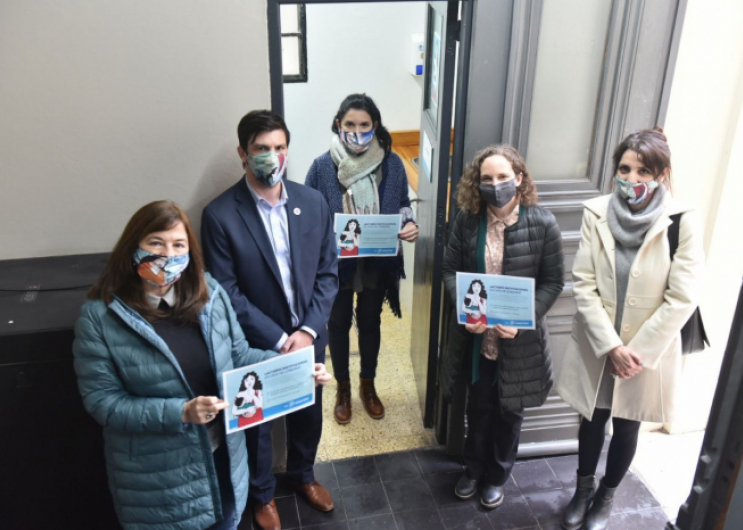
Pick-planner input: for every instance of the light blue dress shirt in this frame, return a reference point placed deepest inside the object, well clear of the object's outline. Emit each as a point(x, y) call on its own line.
point(277, 228)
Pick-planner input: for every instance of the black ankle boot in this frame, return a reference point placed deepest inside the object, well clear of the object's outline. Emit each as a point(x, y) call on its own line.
point(598, 516)
point(466, 487)
point(575, 513)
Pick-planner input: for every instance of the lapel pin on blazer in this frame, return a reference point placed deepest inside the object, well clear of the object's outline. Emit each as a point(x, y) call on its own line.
point(297, 211)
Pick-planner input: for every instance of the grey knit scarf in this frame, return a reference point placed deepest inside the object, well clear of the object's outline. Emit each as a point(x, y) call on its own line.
point(356, 174)
point(628, 227)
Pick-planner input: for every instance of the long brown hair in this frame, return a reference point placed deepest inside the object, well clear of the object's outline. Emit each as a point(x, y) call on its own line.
point(120, 277)
point(651, 146)
point(468, 189)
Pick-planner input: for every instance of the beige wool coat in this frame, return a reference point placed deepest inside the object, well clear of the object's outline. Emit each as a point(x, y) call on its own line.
point(661, 297)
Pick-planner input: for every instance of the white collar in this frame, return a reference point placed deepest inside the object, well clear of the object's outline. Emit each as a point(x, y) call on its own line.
point(154, 300)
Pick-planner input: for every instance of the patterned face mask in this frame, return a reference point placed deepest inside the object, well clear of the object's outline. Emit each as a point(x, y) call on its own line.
point(635, 194)
point(356, 142)
point(160, 270)
point(268, 167)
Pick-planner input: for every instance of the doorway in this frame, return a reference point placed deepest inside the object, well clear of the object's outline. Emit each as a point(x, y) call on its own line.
point(330, 50)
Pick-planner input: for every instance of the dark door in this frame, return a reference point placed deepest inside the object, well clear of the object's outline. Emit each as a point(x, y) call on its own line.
point(435, 141)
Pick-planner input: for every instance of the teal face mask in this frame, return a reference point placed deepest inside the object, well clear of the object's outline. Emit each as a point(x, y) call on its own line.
point(268, 167)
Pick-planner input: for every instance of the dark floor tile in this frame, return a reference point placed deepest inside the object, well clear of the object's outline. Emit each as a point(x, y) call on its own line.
point(513, 513)
point(535, 476)
point(547, 506)
point(311, 516)
point(419, 520)
point(465, 516)
point(633, 496)
point(437, 461)
point(282, 487)
point(565, 469)
point(337, 525)
point(654, 519)
point(246, 523)
point(378, 522)
point(511, 487)
point(365, 500)
point(287, 508)
point(356, 471)
point(551, 526)
point(442, 485)
point(397, 466)
point(325, 475)
point(410, 494)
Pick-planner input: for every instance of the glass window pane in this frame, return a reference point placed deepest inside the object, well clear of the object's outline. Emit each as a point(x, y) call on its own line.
point(290, 50)
point(570, 57)
point(289, 18)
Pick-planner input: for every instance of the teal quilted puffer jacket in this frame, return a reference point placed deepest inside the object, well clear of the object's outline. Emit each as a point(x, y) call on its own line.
point(160, 470)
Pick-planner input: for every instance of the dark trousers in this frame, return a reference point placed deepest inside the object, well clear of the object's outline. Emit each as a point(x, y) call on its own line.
point(226, 491)
point(369, 320)
point(492, 433)
point(622, 447)
point(303, 431)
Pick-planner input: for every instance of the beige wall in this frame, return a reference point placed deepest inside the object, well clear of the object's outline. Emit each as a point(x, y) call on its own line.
point(705, 131)
point(105, 106)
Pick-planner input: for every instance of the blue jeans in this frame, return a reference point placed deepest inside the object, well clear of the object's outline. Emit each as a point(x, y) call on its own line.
point(227, 493)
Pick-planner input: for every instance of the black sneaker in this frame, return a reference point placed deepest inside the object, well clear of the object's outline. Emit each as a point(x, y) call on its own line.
point(492, 496)
point(466, 487)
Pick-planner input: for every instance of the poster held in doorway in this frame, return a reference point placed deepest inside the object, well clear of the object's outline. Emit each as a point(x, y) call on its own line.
point(359, 236)
point(493, 299)
point(264, 391)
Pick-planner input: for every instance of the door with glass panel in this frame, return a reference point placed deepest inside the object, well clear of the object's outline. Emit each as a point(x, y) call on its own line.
point(566, 82)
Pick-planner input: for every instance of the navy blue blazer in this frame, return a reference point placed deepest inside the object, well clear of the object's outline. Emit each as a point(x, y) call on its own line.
point(239, 255)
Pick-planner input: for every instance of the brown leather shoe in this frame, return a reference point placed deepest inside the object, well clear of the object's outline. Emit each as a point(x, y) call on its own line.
point(267, 516)
point(369, 398)
point(317, 496)
point(342, 410)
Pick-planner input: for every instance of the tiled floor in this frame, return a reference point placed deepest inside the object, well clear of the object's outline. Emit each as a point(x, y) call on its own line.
point(414, 490)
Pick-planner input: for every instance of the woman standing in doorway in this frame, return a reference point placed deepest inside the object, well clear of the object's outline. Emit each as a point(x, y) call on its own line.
point(633, 298)
point(499, 229)
point(360, 175)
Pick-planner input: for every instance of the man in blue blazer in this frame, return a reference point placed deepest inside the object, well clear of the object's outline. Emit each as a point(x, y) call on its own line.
point(270, 243)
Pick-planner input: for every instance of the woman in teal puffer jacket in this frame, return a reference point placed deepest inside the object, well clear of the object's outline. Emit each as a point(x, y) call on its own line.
point(150, 348)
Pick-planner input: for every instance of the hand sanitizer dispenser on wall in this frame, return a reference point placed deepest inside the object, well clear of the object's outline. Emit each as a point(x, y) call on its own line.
point(417, 53)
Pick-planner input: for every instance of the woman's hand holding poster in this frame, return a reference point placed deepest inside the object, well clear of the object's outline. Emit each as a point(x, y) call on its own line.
point(268, 390)
point(493, 299)
point(358, 236)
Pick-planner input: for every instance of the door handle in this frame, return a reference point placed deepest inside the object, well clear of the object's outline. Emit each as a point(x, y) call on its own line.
point(412, 201)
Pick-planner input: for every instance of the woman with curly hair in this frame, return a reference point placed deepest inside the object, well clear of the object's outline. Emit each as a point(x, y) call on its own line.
point(499, 229)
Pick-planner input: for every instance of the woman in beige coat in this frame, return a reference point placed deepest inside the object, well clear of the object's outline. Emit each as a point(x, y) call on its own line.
point(624, 357)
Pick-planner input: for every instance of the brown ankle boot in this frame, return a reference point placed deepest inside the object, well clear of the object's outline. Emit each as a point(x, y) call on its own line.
point(342, 411)
point(369, 398)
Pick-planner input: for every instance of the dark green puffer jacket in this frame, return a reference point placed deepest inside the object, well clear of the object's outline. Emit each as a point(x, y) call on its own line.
point(533, 249)
point(160, 470)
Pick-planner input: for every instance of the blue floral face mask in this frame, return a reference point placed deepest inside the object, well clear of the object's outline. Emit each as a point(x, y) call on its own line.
point(635, 194)
point(268, 167)
point(356, 142)
point(160, 270)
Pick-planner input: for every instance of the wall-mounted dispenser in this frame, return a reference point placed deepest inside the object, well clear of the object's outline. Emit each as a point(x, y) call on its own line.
point(417, 53)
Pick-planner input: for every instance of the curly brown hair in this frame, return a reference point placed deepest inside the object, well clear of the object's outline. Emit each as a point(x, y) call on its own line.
point(468, 189)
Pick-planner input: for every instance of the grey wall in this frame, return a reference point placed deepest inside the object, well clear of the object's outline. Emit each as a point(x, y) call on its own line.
point(105, 106)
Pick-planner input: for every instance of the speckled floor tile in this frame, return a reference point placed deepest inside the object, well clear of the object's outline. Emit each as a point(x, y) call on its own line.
point(402, 427)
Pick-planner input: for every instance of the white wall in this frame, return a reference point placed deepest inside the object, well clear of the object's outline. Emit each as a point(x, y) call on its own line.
point(353, 48)
point(105, 106)
point(705, 132)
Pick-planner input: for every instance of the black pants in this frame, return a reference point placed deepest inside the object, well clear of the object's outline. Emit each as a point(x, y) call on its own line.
point(369, 320)
point(303, 431)
point(622, 447)
point(492, 433)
